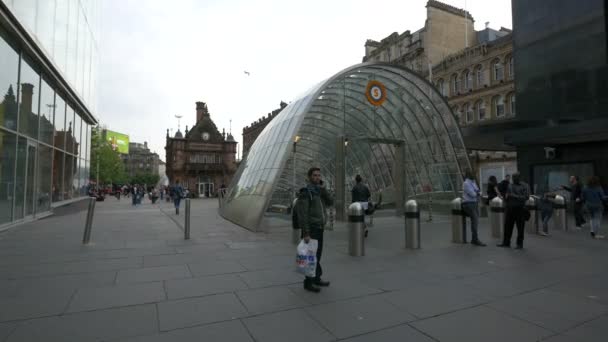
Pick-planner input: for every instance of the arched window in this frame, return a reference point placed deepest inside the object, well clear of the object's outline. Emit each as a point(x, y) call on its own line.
point(467, 79)
point(498, 69)
point(512, 103)
point(480, 107)
point(511, 66)
point(441, 87)
point(498, 102)
point(479, 76)
point(468, 109)
point(455, 85)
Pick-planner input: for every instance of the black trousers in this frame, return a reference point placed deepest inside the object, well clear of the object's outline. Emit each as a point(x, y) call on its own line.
point(514, 216)
point(578, 214)
point(317, 234)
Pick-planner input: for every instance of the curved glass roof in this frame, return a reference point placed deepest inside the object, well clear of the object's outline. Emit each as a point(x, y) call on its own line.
point(413, 112)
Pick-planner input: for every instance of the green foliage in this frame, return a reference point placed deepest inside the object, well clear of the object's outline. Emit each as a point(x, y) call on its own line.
point(111, 167)
point(147, 178)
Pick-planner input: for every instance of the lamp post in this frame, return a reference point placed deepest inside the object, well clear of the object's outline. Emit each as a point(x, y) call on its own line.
point(295, 143)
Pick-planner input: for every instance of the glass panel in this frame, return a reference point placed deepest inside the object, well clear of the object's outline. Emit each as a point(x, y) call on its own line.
point(59, 139)
point(72, 40)
point(47, 112)
point(30, 185)
point(28, 100)
point(45, 170)
point(69, 126)
point(61, 34)
point(7, 174)
point(45, 28)
point(20, 178)
point(68, 177)
point(58, 167)
point(77, 132)
point(9, 69)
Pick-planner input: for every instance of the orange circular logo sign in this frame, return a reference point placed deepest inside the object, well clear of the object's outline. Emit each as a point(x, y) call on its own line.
point(375, 93)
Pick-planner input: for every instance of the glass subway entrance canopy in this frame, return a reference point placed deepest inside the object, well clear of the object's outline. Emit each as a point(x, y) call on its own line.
point(380, 121)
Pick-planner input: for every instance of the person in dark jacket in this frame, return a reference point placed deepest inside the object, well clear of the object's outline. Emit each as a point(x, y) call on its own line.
point(310, 209)
point(504, 185)
point(360, 193)
point(492, 191)
point(593, 196)
point(516, 197)
point(576, 189)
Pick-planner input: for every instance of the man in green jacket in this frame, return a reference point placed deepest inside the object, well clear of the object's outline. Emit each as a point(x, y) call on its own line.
point(310, 209)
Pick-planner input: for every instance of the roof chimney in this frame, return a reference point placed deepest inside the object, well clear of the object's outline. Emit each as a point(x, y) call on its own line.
point(487, 24)
point(201, 111)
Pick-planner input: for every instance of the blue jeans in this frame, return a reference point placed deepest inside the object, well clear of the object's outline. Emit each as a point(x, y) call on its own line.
point(470, 210)
point(596, 218)
point(545, 216)
point(176, 201)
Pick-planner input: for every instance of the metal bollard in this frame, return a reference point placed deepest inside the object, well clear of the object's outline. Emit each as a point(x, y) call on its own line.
point(296, 233)
point(458, 222)
point(356, 230)
point(497, 217)
point(532, 224)
point(560, 221)
point(412, 225)
point(187, 220)
point(89, 223)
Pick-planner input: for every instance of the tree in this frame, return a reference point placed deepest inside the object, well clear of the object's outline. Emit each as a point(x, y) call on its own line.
point(146, 178)
point(111, 167)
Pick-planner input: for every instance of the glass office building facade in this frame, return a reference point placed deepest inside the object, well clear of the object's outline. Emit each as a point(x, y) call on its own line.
point(48, 78)
point(380, 121)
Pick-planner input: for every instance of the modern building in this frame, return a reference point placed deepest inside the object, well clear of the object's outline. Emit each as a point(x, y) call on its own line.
point(379, 120)
point(561, 62)
point(202, 159)
point(251, 132)
point(48, 79)
point(140, 160)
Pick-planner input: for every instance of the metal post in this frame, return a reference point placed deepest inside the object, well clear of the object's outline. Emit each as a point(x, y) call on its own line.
point(560, 220)
point(532, 224)
point(356, 230)
point(412, 225)
point(296, 232)
point(430, 219)
point(497, 217)
point(187, 220)
point(89, 223)
point(458, 222)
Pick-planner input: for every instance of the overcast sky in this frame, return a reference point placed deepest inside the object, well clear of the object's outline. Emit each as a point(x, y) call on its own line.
point(159, 57)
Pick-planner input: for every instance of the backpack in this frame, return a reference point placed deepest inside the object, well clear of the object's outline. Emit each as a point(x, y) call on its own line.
point(294, 212)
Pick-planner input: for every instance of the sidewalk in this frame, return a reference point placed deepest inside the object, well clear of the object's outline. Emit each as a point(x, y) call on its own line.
point(140, 280)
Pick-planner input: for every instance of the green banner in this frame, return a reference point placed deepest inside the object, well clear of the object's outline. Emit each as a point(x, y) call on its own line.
point(119, 141)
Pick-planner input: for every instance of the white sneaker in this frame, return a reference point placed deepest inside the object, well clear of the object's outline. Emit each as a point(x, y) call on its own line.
point(599, 236)
point(578, 228)
point(543, 234)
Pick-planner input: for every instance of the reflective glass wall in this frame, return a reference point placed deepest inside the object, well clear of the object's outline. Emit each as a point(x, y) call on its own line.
point(67, 31)
point(43, 138)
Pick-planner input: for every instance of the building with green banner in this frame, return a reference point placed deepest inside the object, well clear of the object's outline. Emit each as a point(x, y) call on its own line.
point(119, 141)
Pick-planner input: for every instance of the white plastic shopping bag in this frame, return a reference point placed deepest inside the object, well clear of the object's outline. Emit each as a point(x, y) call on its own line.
point(306, 257)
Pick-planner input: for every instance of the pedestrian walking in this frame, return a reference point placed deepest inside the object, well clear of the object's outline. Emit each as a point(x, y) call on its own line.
point(470, 206)
point(178, 193)
point(311, 219)
point(360, 193)
point(517, 194)
point(545, 205)
point(576, 189)
point(594, 196)
point(492, 191)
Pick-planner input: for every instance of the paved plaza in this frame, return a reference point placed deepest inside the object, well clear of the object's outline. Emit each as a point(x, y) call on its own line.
point(139, 280)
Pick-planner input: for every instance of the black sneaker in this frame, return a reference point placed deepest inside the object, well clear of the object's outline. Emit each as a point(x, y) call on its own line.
point(503, 245)
point(322, 283)
point(519, 247)
point(311, 288)
point(478, 243)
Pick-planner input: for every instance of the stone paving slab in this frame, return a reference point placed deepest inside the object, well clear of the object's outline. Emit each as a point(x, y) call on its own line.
point(293, 326)
point(35, 304)
point(210, 266)
point(231, 331)
point(153, 274)
point(116, 296)
point(89, 326)
point(204, 286)
point(25, 287)
point(196, 311)
point(6, 329)
point(480, 324)
point(591, 331)
point(357, 316)
point(270, 299)
point(399, 333)
point(340, 289)
point(266, 278)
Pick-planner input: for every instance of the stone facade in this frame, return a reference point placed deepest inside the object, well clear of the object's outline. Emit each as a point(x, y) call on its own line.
point(251, 132)
point(203, 159)
point(140, 160)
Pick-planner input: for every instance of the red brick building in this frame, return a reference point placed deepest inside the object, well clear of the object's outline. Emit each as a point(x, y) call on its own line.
point(202, 159)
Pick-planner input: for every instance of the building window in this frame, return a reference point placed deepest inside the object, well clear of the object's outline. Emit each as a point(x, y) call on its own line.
point(468, 109)
point(499, 105)
point(480, 106)
point(511, 67)
point(499, 70)
point(455, 85)
point(512, 103)
point(441, 87)
point(479, 76)
point(457, 113)
point(467, 80)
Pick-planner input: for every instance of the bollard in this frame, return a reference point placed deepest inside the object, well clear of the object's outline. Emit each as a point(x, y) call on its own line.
point(187, 221)
point(560, 220)
point(412, 225)
point(296, 233)
point(356, 230)
point(532, 224)
point(459, 233)
point(497, 217)
point(89, 223)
